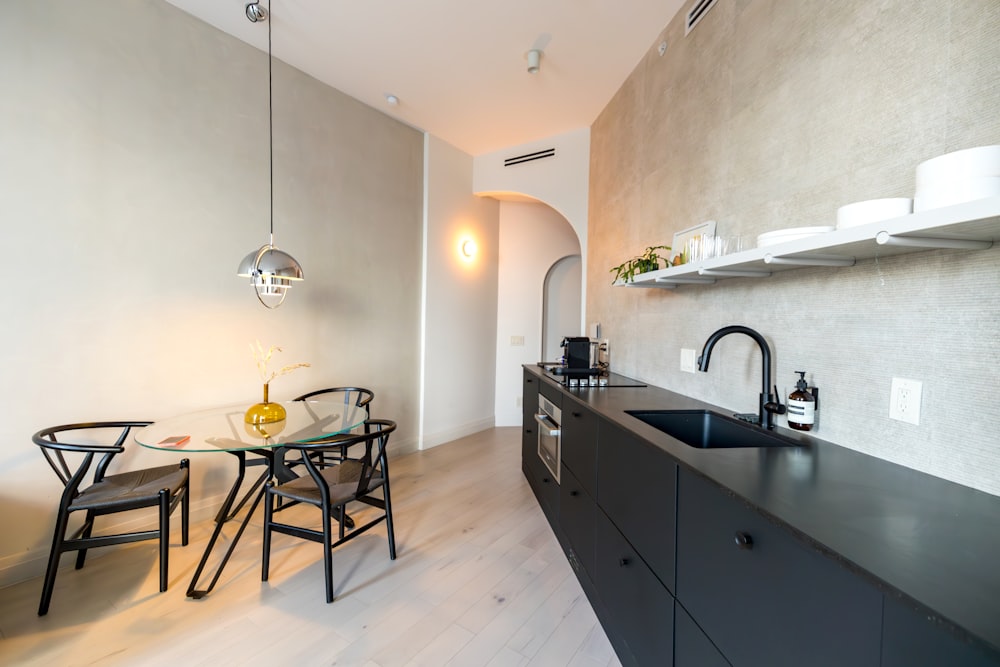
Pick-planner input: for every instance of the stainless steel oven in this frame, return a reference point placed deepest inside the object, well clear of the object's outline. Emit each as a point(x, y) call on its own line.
point(549, 435)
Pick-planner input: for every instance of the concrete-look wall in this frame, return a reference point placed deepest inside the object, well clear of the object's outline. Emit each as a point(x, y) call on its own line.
point(533, 237)
point(133, 179)
point(772, 114)
point(460, 317)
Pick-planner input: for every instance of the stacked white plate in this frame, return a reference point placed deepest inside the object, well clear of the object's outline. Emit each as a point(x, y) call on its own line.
point(791, 234)
point(873, 210)
point(961, 176)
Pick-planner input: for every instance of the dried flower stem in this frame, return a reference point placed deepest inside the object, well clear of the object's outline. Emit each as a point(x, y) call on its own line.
point(262, 358)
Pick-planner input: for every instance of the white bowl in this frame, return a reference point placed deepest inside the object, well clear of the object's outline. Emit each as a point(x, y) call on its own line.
point(946, 194)
point(959, 165)
point(873, 210)
point(791, 234)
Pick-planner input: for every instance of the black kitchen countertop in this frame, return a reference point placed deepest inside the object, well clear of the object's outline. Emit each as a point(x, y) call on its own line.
point(931, 543)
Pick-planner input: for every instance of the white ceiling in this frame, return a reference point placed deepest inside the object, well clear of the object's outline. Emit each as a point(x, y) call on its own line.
point(459, 67)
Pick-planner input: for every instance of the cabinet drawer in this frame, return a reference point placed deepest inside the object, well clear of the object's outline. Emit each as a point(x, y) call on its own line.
point(529, 403)
point(579, 444)
point(691, 647)
point(640, 608)
point(576, 518)
point(546, 490)
point(763, 597)
point(554, 394)
point(636, 488)
point(911, 640)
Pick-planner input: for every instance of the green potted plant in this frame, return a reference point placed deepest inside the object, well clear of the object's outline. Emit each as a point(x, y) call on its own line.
point(647, 261)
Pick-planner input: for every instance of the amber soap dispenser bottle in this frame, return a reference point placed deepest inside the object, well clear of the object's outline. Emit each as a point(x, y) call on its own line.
point(802, 405)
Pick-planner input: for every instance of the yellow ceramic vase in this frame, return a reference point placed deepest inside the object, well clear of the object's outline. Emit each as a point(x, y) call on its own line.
point(264, 412)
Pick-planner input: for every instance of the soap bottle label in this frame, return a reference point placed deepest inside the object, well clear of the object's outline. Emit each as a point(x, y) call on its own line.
point(801, 412)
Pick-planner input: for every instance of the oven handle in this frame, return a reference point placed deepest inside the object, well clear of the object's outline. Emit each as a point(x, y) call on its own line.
point(546, 422)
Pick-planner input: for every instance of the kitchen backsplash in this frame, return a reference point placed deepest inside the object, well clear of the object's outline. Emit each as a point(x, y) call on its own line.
point(772, 115)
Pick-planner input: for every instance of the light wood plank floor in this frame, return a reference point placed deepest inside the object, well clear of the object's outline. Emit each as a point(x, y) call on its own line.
point(479, 580)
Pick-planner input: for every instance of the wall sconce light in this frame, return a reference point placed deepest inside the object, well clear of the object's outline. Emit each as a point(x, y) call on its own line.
point(534, 60)
point(468, 249)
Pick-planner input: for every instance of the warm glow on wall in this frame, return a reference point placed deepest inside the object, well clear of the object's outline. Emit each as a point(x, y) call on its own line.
point(468, 249)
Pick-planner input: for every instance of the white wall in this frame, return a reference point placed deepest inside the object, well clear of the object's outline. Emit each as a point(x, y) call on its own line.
point(532, 237)
point(460, 299)
point(561, 182)
point(133, 179)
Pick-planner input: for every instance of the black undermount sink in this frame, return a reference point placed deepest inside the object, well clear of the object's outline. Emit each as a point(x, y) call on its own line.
point(705, 429)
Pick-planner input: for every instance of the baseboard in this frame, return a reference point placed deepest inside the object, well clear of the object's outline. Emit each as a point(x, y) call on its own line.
point(441, 437)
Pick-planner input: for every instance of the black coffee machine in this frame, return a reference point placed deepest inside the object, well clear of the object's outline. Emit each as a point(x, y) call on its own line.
point(577, 353)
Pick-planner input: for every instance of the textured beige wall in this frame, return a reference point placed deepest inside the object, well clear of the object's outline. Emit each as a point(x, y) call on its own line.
point(772, 114)
point(133, 179)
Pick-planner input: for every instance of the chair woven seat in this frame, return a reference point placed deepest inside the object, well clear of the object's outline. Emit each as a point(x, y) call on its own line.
point(138, 487)
point(342, 479)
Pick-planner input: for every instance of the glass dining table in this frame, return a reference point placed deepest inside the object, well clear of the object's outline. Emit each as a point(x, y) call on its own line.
point(224, 430)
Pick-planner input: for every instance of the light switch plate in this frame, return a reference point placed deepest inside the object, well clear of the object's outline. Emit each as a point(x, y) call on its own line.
point(688, 360)
point(516, 341)
point(904, 400)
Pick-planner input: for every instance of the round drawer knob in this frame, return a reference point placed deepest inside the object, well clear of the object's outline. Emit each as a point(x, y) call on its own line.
point(622, 562)
point(743, 540)
point(574, 493)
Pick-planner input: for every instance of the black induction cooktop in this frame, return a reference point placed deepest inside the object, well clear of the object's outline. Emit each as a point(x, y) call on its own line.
point(586, 378)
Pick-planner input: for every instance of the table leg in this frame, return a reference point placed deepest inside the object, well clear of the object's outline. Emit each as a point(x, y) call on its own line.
point(227, 513)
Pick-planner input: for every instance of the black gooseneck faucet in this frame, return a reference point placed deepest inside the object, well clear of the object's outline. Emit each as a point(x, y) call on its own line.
point(768, 405)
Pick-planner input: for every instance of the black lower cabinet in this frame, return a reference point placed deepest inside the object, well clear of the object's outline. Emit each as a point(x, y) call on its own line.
point(761, 596)
point(545, 487)
point(636, 488)
point(576, 519)
point(911, 639)
point(691, 647)
point(640, 608)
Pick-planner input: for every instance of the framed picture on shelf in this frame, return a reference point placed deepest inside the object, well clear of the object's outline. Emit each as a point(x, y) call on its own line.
point(691, 240)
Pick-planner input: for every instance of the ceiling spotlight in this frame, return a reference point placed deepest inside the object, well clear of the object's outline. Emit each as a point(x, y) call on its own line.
point(534, 58)
point(391, 100)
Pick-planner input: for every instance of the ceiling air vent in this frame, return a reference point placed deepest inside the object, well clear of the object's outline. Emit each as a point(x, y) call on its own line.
point(528, 157)
point(699, 10)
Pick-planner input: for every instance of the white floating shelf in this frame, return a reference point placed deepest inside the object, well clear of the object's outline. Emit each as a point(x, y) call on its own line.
point(973, 225)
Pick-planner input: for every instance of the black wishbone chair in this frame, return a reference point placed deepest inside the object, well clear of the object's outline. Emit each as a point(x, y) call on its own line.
point(357, 397)
point(356, 478)
point(164, 487)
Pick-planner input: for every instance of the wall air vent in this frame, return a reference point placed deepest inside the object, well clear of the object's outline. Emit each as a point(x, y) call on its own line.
point(528, 157)
point(699, 10)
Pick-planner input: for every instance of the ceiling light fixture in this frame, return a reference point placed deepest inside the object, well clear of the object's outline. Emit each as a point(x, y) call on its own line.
point(271, 271)
point(534, 60)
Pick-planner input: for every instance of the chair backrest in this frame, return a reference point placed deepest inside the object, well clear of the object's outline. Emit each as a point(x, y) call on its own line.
point(375, 438)
point(356, 396)
point(95, 443)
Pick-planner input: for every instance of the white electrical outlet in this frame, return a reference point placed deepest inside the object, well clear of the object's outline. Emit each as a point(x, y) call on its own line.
point(904, 400)
point(688, 360)
point(516, 341)
point(520, 399)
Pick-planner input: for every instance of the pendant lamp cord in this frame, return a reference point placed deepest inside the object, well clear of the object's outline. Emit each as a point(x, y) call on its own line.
point(270, 117)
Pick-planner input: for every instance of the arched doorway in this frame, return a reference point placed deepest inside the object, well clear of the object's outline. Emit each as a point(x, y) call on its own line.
point(560, 305)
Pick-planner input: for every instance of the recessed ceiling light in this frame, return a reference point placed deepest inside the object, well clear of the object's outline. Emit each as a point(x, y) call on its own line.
point(391, 100)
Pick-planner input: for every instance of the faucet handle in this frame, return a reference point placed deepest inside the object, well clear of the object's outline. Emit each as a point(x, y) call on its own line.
point(775, 406)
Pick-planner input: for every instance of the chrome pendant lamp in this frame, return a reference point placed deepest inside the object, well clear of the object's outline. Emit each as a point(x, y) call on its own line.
point(271, 271)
